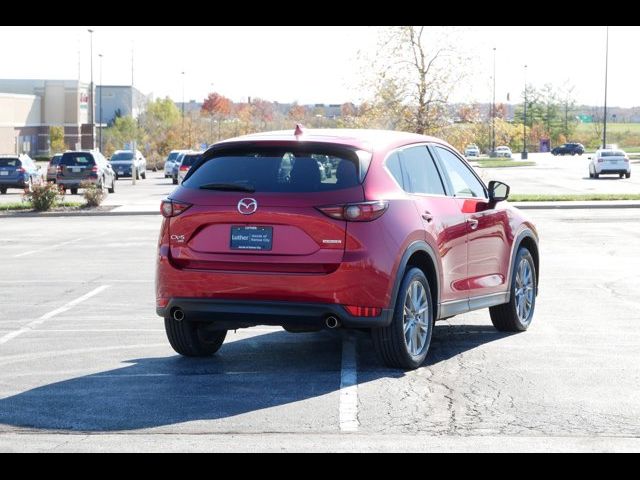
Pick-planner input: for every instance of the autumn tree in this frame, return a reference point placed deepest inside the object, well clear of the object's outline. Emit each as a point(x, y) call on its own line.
point(56, 137)
point(297, 113)
point(218, 108)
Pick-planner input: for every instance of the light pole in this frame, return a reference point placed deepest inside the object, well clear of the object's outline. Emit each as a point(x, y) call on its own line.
point(91, 99)
point(525, 154)
point(100, 107)
point(183, 108)
point(606, 76)
point(493, 108)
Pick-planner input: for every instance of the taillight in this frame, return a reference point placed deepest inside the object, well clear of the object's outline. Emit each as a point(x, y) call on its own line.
point(600, 160)
point(184, 168)
point(363, 311)
point(94, 169)
point(21, 170)
point(356, 212)
point(170, 208)
point(626, 159)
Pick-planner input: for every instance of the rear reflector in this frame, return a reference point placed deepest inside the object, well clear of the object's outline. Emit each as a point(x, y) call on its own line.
point(356, 212)
point(363, 311)
point(162, 302)
point(170, 208)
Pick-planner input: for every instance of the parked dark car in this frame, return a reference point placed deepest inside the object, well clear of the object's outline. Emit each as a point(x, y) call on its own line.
point(18, 171)
point(568, 149)
point(85, 167)
point(405, 234)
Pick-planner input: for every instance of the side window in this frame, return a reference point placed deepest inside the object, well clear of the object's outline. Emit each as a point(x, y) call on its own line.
point(463, 181)
point(393, 164)
point(420, 173)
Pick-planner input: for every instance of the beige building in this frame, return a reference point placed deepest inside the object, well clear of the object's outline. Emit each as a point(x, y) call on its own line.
point(28, 108)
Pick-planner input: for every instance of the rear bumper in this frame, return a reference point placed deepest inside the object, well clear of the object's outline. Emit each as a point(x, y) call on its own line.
point(74, 182)
point(12, 183)
point(616, 171)
point(231, 314)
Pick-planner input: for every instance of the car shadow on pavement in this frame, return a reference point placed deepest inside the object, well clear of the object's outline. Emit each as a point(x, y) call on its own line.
point(247, 375)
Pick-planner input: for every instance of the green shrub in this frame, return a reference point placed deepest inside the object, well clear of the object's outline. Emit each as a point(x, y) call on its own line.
point(43, 196)
point(93, 194)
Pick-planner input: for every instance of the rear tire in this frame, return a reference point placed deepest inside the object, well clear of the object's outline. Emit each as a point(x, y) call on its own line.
point(144, 175)
point(3, 190)
point(74, 191)
point(627, 175)
point(188, 339)
point(113, 186)
point(412, 318)
point(175, 181)
point(596, 175)
point(516, 315)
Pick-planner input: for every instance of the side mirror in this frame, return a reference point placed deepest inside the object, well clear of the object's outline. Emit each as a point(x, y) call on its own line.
point(498, 191)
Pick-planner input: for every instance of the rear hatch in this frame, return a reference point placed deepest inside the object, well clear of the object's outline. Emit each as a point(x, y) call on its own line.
point(76, 165)
point(10, 170)
point(613, 158)
point(254, 209)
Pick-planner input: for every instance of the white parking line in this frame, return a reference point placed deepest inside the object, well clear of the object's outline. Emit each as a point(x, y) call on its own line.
point(349, 385)
point(50, 247)
point(31, 325)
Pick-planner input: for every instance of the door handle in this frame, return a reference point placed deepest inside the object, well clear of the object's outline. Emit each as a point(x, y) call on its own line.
point(473, 223)
point(427, 216)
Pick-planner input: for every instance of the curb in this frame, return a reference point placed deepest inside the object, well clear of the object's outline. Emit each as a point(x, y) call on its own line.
point(573, 206)
point(78, 214)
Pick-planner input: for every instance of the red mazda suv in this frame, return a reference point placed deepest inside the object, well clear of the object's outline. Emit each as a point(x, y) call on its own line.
point(365, 229)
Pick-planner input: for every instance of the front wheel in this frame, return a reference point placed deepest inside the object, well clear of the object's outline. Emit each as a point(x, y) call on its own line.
point(191, 340)
point(405, 342)
point(516, 315)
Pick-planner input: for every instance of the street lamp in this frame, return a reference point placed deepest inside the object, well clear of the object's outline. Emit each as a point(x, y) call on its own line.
point(183, 103)
point(91, 99)
point(100, 107)
point(525, 154)
point(493, 108)
point(606, 71)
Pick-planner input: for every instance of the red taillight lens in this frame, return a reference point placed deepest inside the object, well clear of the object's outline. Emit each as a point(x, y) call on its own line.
point(169, 208)
point(94, 169)
point(363, 311)
point(184, 168)
point(20, 170)
point(356, 212)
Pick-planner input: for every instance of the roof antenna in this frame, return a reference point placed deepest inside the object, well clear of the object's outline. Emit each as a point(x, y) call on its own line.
point(299, 129)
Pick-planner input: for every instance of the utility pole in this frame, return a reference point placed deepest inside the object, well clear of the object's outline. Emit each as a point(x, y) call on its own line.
point(134, 169)
point(525, 154)
point(100, 107)
point(493, 108)
point(91, 99)
point(606, 76)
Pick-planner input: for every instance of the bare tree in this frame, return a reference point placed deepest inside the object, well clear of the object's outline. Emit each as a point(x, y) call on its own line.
point(424, 66)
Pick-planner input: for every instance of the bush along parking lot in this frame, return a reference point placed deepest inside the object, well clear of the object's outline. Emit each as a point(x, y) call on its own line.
point(503, 163)
point(46, 197)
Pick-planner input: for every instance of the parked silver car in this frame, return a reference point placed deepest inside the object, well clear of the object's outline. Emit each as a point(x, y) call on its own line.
point(171, 162)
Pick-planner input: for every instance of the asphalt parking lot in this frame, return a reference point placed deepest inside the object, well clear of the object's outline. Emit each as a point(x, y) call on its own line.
point(85, 364)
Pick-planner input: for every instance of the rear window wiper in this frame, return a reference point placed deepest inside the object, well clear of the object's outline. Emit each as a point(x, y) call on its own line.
point(231, 187)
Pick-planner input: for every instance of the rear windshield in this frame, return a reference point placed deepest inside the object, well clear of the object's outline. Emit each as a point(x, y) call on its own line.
point(271, 169)
point(616, 153)
point(189, 160)
point(56, 159)
point(10, 162)
point(172, 156)
point(122, 156)
point(77, 159)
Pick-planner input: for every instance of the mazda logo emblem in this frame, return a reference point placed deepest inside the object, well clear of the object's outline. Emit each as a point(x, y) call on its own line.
point(247, 206)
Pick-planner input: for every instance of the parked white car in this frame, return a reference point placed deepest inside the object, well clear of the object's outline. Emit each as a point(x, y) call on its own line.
point(607, 161)
point(503, 151)
point(472, 150)
point(172, 163)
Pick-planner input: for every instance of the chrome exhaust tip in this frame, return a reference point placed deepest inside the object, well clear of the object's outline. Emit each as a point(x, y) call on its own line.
point(177, 314)
point(332, 322)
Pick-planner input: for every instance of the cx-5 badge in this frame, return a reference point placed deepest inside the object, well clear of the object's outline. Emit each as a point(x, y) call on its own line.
point(247, 206)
